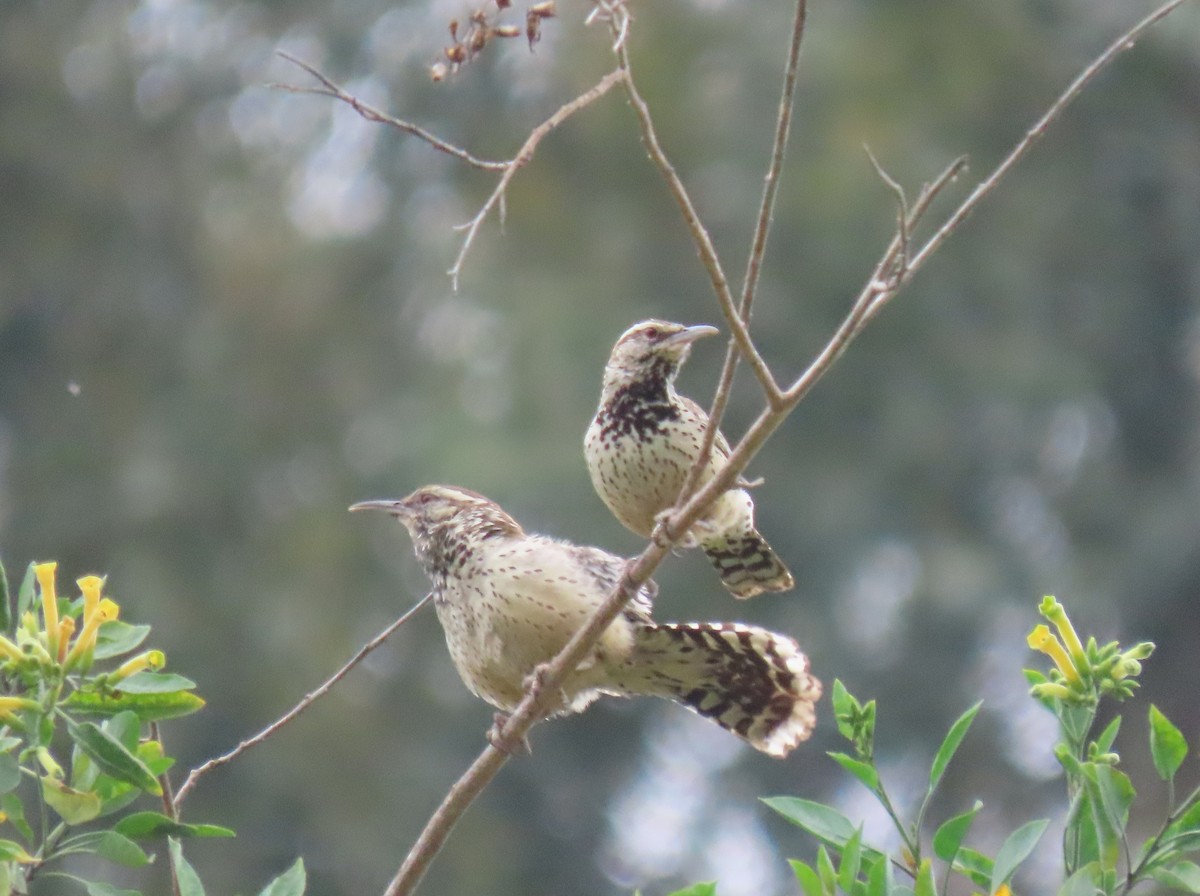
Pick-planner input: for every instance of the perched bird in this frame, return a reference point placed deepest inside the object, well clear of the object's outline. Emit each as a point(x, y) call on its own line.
point(644, 439)
point(509, 601)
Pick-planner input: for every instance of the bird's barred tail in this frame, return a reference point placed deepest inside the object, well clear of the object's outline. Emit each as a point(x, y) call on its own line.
point(746, 564)
point(750, 681)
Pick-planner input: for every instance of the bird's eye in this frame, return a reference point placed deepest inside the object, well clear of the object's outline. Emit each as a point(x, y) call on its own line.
point(651, 332)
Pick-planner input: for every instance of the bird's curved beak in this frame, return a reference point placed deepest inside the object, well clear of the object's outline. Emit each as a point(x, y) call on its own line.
point(688, 335)
point(395, 508)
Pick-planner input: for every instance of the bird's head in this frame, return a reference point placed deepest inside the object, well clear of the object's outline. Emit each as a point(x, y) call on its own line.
point(439, 517)
point(652, 348)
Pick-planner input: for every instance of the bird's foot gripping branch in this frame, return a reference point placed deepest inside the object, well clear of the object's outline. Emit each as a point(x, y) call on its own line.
point(82, 698)
point(1100, 854)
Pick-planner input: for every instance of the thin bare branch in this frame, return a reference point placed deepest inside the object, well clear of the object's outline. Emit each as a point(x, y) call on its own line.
point(902, 226)
point(703, 242)
point(892, 265)
point(889, 278)
point(758, 245)
point(309, 699)
point(523, 157)
point(783, 124)
point(370, 113)
point(1125, 42)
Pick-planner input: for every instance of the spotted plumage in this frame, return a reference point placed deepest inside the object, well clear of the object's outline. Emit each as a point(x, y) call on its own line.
point(509, 601)
point(644, 439)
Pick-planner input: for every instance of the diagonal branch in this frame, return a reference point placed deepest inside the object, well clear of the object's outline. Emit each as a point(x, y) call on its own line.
point(1123, 43)
point(704, 246)
point(523, 157)
point(309, 699)
point(507, 169)
point(758, 245)
point(370, 113)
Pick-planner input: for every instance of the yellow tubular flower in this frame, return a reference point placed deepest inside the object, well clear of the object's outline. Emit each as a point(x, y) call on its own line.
point(9, 705)
point(95, 612)
point(66, 628)
point(151, 659)
point(9, 650)
point(1053, 611)
point(89, 587)
point(45, 577)
point(1042, 639)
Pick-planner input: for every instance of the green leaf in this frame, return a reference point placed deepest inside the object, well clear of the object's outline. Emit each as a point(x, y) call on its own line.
point(10, 772)
point(1015, 850)
point(116, 637)
point(844, 708)
point(820, 820)
point(292, 882)
point(1106, 796)
point(25, 593)
point(113, 758)
point(1167, 745)
point(879, 877)
point(851, 859)
point(864, 771)
point(825, 870)
point(109, 845)
point(1188, 821)
point(1076, 721)
point(120, 849)
point(950, 745)
point(1105, 741)
point(185, 875)
point(701, 889)
point(15, 810)
point(74, 806)
point(145, 682)
point(809, 880)
point(1083, 841)
point(147, 707)
point(1180, 876)
point(975, 866)
point(949, 836)
point(1117, 793)
point(144, 825)
point(1082, 882)
point(924, 885)
point(125, 728)
point(11, 851)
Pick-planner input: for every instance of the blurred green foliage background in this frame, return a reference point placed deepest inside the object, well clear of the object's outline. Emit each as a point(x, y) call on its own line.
point(224, 316)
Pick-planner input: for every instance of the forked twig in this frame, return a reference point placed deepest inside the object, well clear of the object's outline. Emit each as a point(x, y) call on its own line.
point(902, 218)
point(370, 113)
point(523, 157)
point(507, 168)
point(200, 771)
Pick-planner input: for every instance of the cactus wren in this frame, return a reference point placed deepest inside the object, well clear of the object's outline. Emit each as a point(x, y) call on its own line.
point(644, 439)
point(509, 601)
